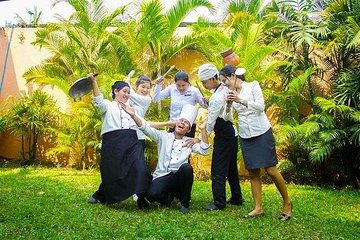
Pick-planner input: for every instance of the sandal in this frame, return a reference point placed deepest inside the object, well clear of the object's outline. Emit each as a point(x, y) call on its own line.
point(253, 215)
point(284, 217)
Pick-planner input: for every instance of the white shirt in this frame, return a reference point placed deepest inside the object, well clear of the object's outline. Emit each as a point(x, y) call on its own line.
point(112, 115)
point(172, 152)
point(191, 96)
point(252, 119)
point(141, 104)
point(217, 103)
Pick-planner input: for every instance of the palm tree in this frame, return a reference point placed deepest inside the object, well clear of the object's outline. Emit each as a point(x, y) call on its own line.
point(151, 38)
point(78, 136)
point(245, 30)
point(79, 45)
point(35, 17)
point(31, 117)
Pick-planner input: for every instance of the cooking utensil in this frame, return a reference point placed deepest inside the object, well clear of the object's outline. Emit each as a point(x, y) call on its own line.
point(81, 87)
point(168, 71)
point(128, 77)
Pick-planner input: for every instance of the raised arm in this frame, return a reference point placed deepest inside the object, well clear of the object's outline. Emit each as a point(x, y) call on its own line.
point(202, 147)
point(96, 90)
point(204, 135)
point(162, 124)
point(159, 94)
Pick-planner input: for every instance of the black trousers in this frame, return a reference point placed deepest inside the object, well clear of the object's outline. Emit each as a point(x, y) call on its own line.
point(233, 175)
point(223, 157)
point(179, 182)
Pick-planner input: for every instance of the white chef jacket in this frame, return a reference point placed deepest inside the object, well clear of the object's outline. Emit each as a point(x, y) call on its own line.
point(191, 96)
point(252, 119)
point(217, 105)
point(112, 115)
point(141, 104)
point(172, 152)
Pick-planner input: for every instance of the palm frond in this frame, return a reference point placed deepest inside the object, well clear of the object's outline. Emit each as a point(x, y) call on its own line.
point(320, 152)
point(181, 9)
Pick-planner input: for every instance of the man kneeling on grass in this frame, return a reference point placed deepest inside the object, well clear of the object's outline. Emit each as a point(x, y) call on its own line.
point(173, 173)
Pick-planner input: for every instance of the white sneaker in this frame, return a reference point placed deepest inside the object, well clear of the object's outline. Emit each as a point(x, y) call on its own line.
point(135, 197)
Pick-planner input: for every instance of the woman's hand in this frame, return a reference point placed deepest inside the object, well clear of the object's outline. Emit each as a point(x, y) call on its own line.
point(232, 97)
point(159, 80)
point(190, 142)
point(129, 109)
point(92, 76)
point(202, 124)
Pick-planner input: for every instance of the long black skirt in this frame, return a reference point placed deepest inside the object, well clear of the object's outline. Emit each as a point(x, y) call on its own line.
point(259, 151)
point(123, 170)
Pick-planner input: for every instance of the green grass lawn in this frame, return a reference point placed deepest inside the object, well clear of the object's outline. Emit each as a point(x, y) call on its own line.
point(42, 203)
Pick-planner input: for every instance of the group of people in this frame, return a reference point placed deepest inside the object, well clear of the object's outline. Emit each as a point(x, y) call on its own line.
point(123, 170)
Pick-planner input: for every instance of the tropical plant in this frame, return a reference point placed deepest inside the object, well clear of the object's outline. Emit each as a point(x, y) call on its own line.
point(322, 142)
point(342, 44)
point(152, 38)
point(31, 117)
point(35, 17)
point(78, 46)
point(78, 136)
point(347, 88)
point(245, 30)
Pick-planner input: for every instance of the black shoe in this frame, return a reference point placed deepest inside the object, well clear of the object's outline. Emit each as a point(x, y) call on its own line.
point(93, 200)
point(142, 203)
point(212, 207)
point(236, 202)
point(184, 210)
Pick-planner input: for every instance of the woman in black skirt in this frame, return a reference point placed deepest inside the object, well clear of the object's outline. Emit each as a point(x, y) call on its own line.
point(122, 167)
point(256, 139)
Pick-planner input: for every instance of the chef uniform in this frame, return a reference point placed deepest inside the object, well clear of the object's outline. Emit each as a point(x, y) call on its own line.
point(173, 173)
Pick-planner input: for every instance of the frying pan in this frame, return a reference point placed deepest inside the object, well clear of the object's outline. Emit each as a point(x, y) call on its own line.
point(81, 87)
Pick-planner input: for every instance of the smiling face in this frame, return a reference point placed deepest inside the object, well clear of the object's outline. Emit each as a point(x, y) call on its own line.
point(181, 85)
point(122, 95)
point(143, 88)
point(182, 126)
point(228, 81)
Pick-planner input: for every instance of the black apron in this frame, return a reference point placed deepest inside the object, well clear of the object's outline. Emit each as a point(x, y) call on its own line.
point(122, 167)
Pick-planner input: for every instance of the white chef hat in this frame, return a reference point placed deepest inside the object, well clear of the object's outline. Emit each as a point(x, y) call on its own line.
point(240, 71)
point(189, 112)
point(207, 71)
